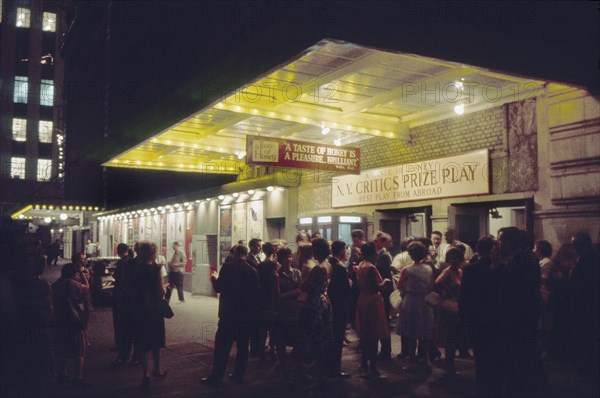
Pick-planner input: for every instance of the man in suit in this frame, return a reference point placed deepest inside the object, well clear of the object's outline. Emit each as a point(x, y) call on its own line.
point(237, 284)
point(384, 266)
point(478, 303)
point(255, 246)
point(339, 294)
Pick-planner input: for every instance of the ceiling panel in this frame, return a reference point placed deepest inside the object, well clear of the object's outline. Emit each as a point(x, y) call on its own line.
point(357, 92)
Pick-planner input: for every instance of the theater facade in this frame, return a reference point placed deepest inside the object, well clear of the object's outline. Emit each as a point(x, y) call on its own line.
point(346, 136)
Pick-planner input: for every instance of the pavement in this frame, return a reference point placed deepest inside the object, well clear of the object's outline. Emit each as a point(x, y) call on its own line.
point(188, 357)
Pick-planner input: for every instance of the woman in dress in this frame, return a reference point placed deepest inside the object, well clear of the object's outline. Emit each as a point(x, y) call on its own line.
point(448, 283)
point(306, 260)
point(371, 322)
point(149, 333)
point(288, 290)
point(416, 318)
point(316, 323)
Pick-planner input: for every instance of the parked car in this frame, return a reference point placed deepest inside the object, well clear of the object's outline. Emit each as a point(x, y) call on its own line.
point(103, 281)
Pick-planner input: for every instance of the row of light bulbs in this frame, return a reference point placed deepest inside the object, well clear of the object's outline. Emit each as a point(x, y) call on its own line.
point(179, 206)
point(60, 143)
point(47, 220)
point(303, 119)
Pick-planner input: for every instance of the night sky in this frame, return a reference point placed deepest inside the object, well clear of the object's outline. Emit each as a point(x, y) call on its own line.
point(169, 59)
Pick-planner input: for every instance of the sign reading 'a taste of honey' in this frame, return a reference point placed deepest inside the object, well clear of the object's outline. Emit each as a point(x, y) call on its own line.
point(298, 154)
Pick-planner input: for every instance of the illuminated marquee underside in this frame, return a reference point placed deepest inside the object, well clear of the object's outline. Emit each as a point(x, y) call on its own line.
point(349, 91)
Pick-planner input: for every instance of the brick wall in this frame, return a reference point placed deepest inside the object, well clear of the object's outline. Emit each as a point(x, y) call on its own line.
point(479, 130)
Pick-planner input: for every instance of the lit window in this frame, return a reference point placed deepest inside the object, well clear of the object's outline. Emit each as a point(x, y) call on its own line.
point(17, 168)
point(44, 169)
point(46, 131)
point(47, 93)
point(19, 132)
point(23, 17)
point(49, 22)
point(21, 87)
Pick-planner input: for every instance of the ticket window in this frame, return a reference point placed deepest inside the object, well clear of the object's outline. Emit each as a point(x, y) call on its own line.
point(346, 225)
point(331, 227)
point(325, 227)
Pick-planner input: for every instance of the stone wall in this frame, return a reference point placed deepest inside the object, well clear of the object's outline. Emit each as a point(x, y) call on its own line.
point(568, 199)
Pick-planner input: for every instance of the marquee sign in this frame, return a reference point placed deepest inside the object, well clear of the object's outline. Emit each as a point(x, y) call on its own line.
point(466, 174)
point(299, 154)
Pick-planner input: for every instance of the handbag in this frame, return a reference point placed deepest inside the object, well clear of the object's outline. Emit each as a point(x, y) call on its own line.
point(386, 287)
point(433, 299)
point(165, 309)
point(449, 307)
point(396, 299)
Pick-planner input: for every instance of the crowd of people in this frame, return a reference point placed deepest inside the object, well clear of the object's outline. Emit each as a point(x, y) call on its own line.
point(508, 305)
point(45, 327)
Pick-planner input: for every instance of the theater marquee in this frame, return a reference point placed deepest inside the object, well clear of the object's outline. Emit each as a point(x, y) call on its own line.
point(462, 175)
point(299, 154)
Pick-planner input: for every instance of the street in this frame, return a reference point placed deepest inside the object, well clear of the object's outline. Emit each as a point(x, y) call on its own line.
point(188, 357)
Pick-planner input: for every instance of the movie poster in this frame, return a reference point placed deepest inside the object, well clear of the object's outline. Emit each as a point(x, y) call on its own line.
point(239, 223)
point(189, 231)
point(134, 228)
point(175, 232)
point(255, 219)
point(163, 234)
point(155, 233)
point(148, 228)
point(142, 229)
point(117, 234)
point(224, 232)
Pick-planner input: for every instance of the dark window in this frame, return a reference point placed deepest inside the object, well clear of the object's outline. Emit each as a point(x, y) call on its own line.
point(20, 110)
point(46, 112)
point(48, 71)
point(22, 52)
point(45, 150)
point(19, 148)
point(48, 42)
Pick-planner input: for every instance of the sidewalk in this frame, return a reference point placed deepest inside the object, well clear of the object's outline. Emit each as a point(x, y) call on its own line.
point(188, 357)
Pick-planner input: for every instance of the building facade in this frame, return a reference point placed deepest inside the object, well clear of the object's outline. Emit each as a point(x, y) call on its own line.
point(31, 113)
point(539, 171)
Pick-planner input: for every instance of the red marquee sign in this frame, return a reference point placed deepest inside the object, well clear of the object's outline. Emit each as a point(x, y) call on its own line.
point(303, 155)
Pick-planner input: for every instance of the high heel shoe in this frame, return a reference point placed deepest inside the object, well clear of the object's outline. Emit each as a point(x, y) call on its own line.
point(160, 375)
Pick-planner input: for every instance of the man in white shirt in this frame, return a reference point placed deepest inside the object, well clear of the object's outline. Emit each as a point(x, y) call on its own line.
point(176, 267)
point(402, 259)
point(434, 249)
point(450, 243)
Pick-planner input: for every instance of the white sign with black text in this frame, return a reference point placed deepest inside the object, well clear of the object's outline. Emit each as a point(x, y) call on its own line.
point(461, 175)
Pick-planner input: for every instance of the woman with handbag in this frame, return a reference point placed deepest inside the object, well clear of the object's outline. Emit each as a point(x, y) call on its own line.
point(448, 284)
point(416, 318)
point(149, 329)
